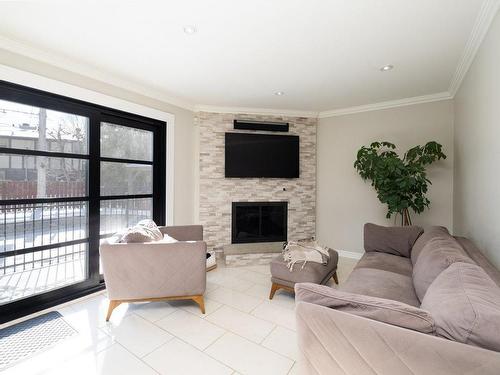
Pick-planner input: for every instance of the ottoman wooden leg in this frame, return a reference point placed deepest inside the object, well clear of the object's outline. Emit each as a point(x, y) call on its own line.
point(335, 278)
point(274, 288)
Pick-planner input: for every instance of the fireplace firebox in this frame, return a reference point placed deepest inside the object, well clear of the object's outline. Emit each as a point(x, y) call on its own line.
point(259, 222)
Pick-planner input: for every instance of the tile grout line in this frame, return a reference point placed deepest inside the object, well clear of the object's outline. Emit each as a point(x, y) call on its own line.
point(246, 339)
point(232, 290)
point(237, 334)
point(244, 293)
point(291, 368)
point(139, 358)
point(259, 345)
point(269, 334)
point(255, 308)
point(203, 316)
point(226, 331)
point(207, 354)
point(147, 321)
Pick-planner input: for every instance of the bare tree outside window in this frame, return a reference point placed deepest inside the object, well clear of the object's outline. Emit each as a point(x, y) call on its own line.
point(34, 128)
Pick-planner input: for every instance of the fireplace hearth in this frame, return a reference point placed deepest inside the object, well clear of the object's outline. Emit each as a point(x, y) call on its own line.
point(259, 222)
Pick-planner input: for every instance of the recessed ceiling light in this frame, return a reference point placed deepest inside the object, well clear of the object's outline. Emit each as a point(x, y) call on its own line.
point(190, 29)
point(279, 93)
point(386, 68)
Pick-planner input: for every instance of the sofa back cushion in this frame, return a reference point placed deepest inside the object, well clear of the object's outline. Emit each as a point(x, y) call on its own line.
point(465, 305)
point(478, 257)
point(391, 240)
point(425, 237)
point(436, 256)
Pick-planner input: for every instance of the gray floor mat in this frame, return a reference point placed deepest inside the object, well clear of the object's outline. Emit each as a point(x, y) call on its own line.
point(32, 336)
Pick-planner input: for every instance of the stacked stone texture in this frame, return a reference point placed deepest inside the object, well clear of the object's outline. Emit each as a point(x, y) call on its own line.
point(217, 192)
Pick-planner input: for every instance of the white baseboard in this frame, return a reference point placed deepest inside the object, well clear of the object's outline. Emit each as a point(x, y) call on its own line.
point(350, 254)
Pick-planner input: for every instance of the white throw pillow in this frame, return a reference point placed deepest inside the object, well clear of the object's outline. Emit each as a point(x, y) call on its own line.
point(151, 227)
point(167, 239)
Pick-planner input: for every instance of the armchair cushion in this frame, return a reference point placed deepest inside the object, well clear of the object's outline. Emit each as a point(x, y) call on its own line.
point(380, 309)
point(391, 240)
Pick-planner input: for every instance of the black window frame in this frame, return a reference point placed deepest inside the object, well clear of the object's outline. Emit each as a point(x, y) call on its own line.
point(96, 115)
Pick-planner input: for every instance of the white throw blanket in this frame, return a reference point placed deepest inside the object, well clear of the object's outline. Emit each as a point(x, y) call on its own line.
point(304, 251)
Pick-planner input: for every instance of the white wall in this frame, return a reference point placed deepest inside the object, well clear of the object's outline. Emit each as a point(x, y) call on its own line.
point(477, 144)
point(185, 143)
point(344, 201)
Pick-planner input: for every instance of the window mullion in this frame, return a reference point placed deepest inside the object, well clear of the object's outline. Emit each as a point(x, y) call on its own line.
point(94, 191)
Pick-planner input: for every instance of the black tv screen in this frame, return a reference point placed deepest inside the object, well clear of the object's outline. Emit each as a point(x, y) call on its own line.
point(262, 155)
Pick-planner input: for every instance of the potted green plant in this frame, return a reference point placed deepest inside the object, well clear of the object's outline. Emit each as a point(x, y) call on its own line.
point(401, 183)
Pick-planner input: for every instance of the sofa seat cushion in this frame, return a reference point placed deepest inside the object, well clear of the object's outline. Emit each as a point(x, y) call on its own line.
point(382, 284)
point(386, 262)
point(437, 255)
point(311, 273)
point(465, 305)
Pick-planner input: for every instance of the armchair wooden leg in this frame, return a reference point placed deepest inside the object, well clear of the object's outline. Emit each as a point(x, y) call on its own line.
point(274, 288)
point(112, 305)
point(335, 278)
point(199, 300)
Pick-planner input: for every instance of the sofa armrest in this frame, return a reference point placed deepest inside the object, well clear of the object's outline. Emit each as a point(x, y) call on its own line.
point(154, 270)
point(383, 310)
point(184, 232)
point(391, 240)
point(335, 342)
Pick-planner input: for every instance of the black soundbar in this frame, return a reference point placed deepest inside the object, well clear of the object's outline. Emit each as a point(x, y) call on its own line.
point(261, 125)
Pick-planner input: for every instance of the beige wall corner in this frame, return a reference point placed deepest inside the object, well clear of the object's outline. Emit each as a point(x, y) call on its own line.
point(477, 136)
point(345, 202)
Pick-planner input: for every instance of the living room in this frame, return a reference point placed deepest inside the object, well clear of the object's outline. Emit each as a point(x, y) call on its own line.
point(267, 187)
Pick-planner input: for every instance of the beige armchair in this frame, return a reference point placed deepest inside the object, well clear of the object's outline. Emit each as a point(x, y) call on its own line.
point(137, 272)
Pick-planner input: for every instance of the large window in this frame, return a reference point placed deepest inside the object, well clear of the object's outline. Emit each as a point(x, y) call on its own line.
point(71, 174)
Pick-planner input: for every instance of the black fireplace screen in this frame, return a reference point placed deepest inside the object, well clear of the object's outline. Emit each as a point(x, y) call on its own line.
point(259, 222)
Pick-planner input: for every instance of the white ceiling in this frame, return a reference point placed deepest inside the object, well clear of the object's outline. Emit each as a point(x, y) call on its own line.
point(324, 54)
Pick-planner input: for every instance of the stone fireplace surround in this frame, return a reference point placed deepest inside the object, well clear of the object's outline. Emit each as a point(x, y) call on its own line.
point(217, 193)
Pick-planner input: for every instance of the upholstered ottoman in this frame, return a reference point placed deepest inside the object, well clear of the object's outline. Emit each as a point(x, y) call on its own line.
point(283, 278)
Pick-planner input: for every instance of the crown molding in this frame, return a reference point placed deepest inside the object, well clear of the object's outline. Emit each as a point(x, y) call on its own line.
point(256, 111)
point(483, 22)
point(89, 72)
point(481, 26)
point(388, 104)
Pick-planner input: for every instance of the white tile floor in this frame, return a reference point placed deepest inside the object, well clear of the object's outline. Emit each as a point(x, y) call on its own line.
point(241, 333)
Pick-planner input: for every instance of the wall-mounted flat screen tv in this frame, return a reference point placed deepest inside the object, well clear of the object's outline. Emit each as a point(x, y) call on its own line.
point(262, 155)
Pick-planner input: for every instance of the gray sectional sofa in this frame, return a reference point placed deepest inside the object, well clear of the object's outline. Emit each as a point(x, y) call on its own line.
point(416, 303)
